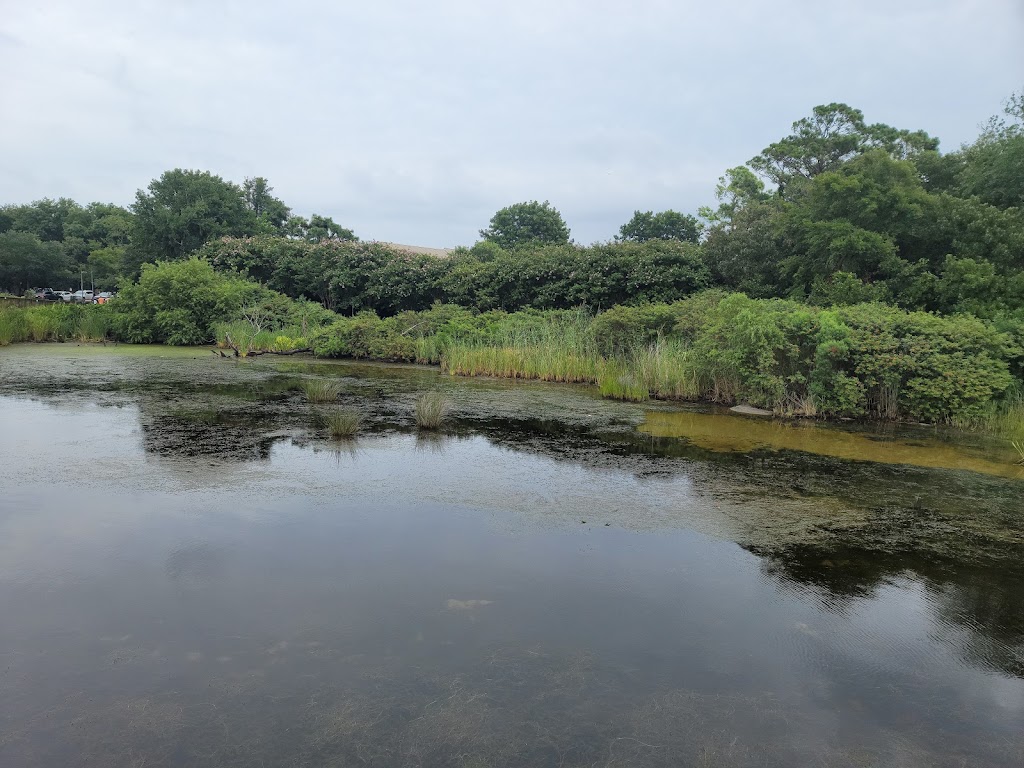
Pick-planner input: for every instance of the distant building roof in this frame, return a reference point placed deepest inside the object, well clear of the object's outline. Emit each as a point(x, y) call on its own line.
point(440, 253)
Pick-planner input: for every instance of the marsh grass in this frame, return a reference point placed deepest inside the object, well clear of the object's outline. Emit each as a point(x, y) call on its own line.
point(431, 408)
point(1009, 418)
point(94, 325)
point(53, 322)
point(342, 423)
point(559, 350)
point(247, 339)
point(803, 406)
point(11, 327)
point(1005, 419)
point(320, 390)
point(616, 380)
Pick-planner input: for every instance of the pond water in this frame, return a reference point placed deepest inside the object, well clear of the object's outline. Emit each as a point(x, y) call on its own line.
point(193, 574)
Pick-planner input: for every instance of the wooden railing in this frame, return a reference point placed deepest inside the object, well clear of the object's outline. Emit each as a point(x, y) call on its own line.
point(20, 301)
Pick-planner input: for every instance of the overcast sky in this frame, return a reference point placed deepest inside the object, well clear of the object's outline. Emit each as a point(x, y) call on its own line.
point(414, 121)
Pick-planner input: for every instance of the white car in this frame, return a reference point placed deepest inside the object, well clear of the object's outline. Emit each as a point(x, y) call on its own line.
point(82, 297)
point(64, 295)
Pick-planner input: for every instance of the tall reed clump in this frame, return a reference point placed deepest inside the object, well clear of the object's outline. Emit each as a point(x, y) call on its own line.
point(12, 326)
point(431, 408)
point(53, 322)
point(616, 380)
point(320, 390)
point(342, 423)
point(558, 349)
point(1005, 419)
point(94, 324)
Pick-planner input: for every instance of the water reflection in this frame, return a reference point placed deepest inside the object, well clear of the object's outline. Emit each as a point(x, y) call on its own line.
point(979, 612)
point(523, 589)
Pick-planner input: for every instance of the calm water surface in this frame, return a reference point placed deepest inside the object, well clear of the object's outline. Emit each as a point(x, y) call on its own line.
point(192, 574)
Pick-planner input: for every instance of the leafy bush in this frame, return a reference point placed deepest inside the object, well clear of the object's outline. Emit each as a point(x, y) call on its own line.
point(623, 329)
point(182, 303)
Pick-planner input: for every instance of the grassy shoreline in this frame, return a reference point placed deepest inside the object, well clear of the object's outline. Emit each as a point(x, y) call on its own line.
point(867, 362)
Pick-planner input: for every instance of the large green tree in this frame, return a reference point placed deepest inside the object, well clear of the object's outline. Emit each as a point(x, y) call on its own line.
point(666, 225)
point(28, 262)
point(269, 210)
point(182, 210)
point(832, 135)
point(529, 223)
point(737, 189)
point(992, 168)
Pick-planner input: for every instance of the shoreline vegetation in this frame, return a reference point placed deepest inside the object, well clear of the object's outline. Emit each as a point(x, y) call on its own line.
point(850, 270)
point(866, 361)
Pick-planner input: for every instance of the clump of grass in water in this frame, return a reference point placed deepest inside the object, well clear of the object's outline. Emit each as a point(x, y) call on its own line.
point(320, 390)
point(343, 423)
point(1019, 446)
point(431, 408)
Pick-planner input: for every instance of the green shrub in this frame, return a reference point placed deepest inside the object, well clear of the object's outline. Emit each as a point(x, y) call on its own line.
point(920, 366)
point(623, 329)
point(187, 302)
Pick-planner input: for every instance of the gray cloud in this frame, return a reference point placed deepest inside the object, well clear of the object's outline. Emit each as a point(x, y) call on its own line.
point(415, 121)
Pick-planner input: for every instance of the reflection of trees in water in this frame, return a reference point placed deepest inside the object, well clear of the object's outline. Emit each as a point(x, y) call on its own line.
point(979, 611)
point(224, 422)
point(208, 433)
point(984, 617)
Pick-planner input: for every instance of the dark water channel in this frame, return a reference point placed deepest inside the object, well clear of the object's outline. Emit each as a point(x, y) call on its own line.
point(193, 574)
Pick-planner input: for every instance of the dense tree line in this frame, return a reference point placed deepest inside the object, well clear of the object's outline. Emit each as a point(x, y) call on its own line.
point(59, 243)
point(353, 276)
point(868, 212)
point(839, 211)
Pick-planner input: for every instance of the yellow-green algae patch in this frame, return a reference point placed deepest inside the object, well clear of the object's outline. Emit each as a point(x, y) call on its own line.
point(725, 433)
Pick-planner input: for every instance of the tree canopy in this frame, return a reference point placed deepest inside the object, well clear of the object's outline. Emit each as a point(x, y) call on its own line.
point(832, 135)
point(529, 223)
point(666, 225)
point(182, 210)
point(271, 212)
point(837, 211)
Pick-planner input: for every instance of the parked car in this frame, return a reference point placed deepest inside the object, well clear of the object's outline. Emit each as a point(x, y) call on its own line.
point(103, 297)
point(47, 294)
point(82, 297)
point(64, 295)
